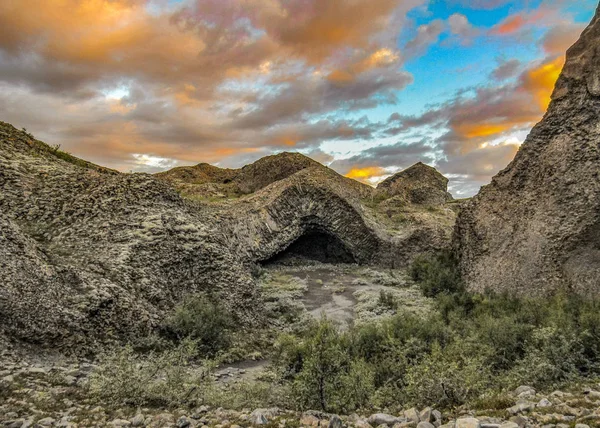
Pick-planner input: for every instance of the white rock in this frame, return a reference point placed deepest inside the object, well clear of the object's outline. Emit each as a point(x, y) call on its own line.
point(468, 423)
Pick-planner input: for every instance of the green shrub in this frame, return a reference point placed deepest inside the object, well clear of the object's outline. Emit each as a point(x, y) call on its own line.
point(437, 274)
point(156, 379)
point(203, 321)
point(321, 370)
point(447, 377)
point(552, 357)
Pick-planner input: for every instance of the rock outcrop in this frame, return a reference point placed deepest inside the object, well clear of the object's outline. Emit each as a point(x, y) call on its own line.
point(204, 180)
point(536, 228)
point(419, 184)
point(90, 255)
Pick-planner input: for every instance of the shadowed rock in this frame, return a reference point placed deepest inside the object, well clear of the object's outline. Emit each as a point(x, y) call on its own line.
point(536, 227)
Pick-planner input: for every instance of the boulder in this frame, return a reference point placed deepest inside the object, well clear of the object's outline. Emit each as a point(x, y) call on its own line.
point(335, 422)
point(468, 423)
point(382, 419)
point(412, 415)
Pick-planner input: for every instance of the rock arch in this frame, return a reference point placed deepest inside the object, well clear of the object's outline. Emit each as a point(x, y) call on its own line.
point(297, 207)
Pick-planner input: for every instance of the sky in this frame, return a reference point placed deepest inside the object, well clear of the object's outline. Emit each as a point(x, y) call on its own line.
point(367, 87)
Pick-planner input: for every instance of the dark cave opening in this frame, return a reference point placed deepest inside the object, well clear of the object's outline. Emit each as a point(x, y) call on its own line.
point(313, 245)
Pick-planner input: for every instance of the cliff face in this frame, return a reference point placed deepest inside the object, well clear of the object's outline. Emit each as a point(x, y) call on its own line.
point(89, 255)
point(536, 227)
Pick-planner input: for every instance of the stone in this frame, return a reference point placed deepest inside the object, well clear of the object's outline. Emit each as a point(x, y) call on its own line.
point(521, 406)
point(525, 391)
point(544, 402)
point(309, 420)
point(407, 424)
point(425, 425)
point(335, 422)
point(595, 395)
point(138, 420)
point(509, 425)
point(531, 231)
point(120, 423)
point(258, 417)
point(17, 423)
point(46, 422)
point(412, 415)
point(378, 419)
point(519, 420)
point(425, 415)
point(581, 426)
point(467, 423)
point(183, 422)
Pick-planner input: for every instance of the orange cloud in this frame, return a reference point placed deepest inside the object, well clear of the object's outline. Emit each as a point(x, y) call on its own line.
point(340, 76)
point(510, 25)
point(475, 130)
point(515, 23)
point(365, 174)
point(540, 80)
point(319, 28)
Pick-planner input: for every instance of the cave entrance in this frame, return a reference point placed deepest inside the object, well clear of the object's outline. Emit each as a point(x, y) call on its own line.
point(313, 245)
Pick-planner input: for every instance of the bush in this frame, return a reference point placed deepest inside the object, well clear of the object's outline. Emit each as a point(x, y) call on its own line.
point(447, 377)
point(437, 274)
point(322, 372)
point(157, 379)
point(203, 321)
point(552, 357)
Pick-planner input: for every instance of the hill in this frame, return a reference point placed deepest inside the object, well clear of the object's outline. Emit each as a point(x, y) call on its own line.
point(90, 255)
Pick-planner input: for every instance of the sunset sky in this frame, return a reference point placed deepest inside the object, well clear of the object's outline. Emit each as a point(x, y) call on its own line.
point(367, 87)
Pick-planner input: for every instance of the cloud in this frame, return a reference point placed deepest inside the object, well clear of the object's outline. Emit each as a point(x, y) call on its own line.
point(482, 4)
point(123, 82)
point(561, 37)
point(461, 27)
point(427, 34)
point(477, 128)
point(376, 163)
point(506, 69)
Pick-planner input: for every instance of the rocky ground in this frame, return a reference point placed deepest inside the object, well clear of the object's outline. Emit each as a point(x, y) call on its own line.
point(53, 391)
point(53, 394)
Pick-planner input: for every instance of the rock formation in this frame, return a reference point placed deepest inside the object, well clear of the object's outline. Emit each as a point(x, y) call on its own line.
point(536, 227)
point(419, 184)
point(90, 255)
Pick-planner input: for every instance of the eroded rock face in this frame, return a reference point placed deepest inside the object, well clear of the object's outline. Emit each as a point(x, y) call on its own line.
point(536, 227)
point(89, 255)
point(419, 184)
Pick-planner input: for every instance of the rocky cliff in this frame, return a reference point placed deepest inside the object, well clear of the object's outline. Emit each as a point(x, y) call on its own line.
point(536, 227)
point(89, 255)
